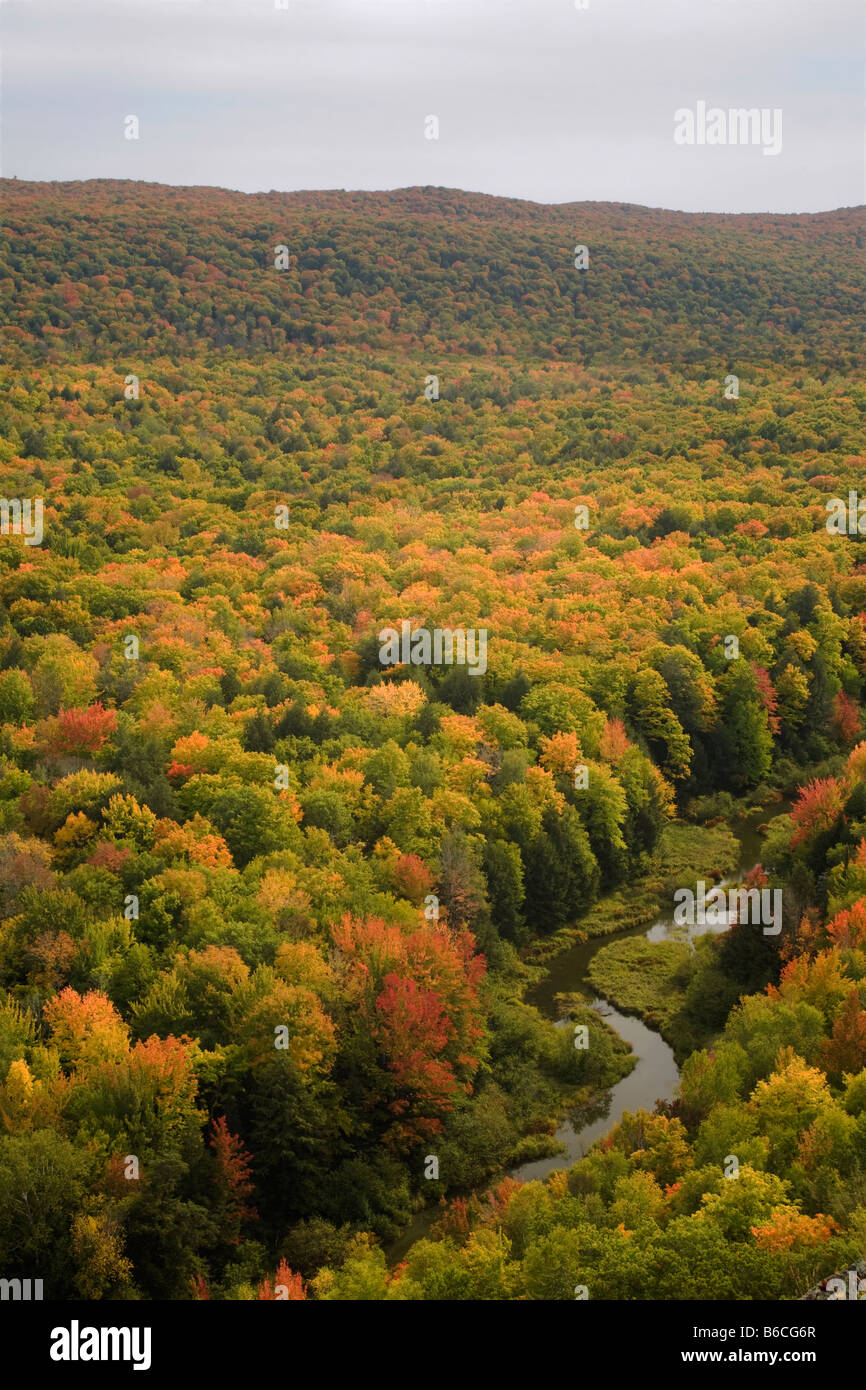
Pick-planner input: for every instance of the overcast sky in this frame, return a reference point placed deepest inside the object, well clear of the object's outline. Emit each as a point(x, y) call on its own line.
point(535, 98)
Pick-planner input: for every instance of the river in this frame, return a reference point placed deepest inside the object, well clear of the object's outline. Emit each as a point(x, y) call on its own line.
point(656, 1074)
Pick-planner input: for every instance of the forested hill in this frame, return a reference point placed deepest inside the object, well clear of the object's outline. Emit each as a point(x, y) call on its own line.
point(106, 268)
point(270, 899)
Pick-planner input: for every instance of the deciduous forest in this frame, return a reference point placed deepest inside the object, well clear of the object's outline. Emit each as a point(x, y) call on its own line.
point(271, 911)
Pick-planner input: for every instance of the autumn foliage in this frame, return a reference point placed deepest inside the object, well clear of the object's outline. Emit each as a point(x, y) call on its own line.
point(270, 912)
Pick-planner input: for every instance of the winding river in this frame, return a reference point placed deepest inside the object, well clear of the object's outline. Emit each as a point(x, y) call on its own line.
point(656, 1074)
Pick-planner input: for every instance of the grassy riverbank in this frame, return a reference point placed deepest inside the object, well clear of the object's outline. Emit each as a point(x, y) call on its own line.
point(535, 1072)
point(534, 1066)
point(684, 991)
point(686, 852)
point(535, 1069)
point(651, 980)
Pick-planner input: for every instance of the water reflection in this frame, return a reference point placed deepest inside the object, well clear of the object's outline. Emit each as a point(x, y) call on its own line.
point(655, 1075)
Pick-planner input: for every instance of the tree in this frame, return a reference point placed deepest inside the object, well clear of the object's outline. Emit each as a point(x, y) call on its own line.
point(63, 676)
point(412, 878)
point(557, 708)
point(413, 1030)
point(557, 1262)
point(845, 719)
point(741, 1205)
point(167, 1230)
point(23, 863)
point(603, 807)
point(848, 927)
point(462, 888)
point(250, 819)
point(690, 688)
point(649, 711)
point(762, 1025)
point(562, 873)
point(769, 699)
point(81, 731)
point(259, 734)
point(503, 870)
point(126, 820)
point(786, 1103)
point(709, 1079)
point(287, 1285)
point(789, 1227)
point(560, 754)
point(817, 810)
point(326, 809)
point(415, 996)
point(845, 1050)
point(233, 1181)
point(614, 742)
point(650, 802)
point(362, 1276)
point(87, 1030)
point(16, 697)
point(102, 1269)
point(270, 1013)
point(745, 740)
point(387, 769)
point(43, 1178)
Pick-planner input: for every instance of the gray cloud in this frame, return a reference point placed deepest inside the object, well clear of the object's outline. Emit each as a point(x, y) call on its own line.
point(535, 98)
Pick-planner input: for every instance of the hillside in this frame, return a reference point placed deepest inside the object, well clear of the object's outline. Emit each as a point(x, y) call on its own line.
point(271, 898)
point(101, 269)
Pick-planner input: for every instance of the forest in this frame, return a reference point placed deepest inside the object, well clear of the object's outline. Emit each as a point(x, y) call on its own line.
point(270, 909)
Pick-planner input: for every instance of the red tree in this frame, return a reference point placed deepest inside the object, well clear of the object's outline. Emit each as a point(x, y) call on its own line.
point(412, 878)
point(848, 927)
point(287, 1286)
point(845, 719)
point(81, 731)
point(769, 699)
point(845, 1050)
point(233, 1180)
point(817, 809)
point(416, 995)
point(413, 1030)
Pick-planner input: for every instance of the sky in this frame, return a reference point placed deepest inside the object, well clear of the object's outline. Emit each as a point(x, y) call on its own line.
point(537, 99)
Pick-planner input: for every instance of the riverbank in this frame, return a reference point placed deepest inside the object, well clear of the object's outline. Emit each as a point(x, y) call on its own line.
point(685, 852)
point(670, 978)
point(650, 980)
point(561, 980)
